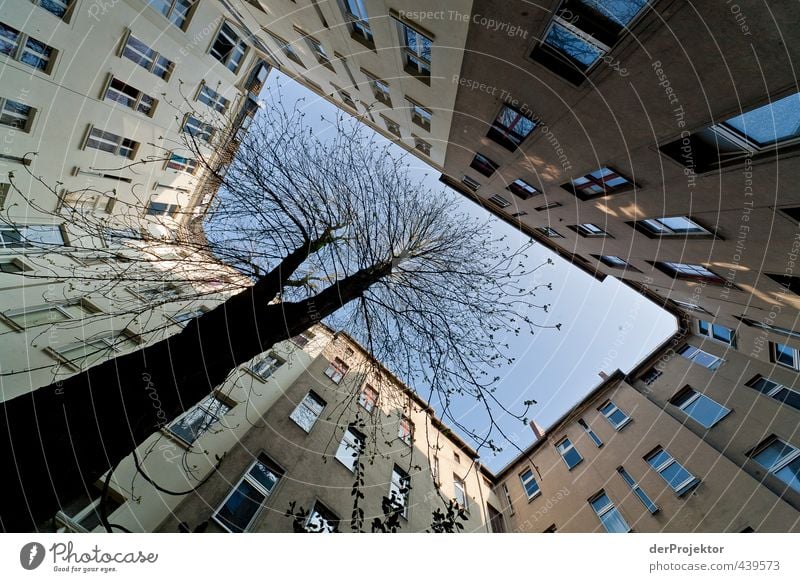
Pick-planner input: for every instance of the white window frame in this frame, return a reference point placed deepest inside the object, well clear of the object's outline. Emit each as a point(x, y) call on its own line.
point(648, 503)
point(120, 147)
point(310, 396)
point(24, 233)
point(257, 485)
point(690, 352)
point(198, 129)
point(657, 227)
point(316, 513)
point(406, 437)
point(564, 450)
point(695, 396)
point(21, 47)
point(396, 484)
point(26, 118)
point(780, 463)
point(181, 164)
point(172, 11)
point(275, 362)
point(365, 403)
point(774, 390)
point(592, 435)
point(214, 406)
point(525, 481)
point(108, 342)
point(337, 370)
point(154, 59)
point(794, 352)
point(614, 408)
point(460, 487)
point(60, 308)
point(352, 441)
point(499, 201)
point(607, 509)
point(136, 101)
point(239, 48)
point(212, 99)
point(682, 487)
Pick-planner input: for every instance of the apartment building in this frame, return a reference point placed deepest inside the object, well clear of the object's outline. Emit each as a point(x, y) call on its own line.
point(92, 89)
point(619, 462)
point(650, 141)
point(343, 409)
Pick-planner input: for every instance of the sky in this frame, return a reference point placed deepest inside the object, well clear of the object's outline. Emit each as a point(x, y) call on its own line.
point(604, 326)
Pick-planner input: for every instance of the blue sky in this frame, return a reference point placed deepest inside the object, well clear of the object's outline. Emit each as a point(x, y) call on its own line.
point(605, 326)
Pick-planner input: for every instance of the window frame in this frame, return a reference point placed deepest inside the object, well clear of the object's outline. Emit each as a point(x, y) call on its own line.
point(313, 396)
point(774, 390)
point(637, 489)
point(210, 417)
point(606, 509)
point(21, 48)
point(779, 464)
point(681, 272)
point(336, 371)
point(396, 486)
point(647, 227)
point(563, 452)
point(610, 412)
point(212, 98)
point(793, 351)
point(549, 232)
point(154, 57)
point(28, 116)
point(710, 333)
point(364, 400)
point(274, 366)
point(499, 201)
point(413, 59)
point(328, 517)
point(687, 396)
point(483, 165)
point(684, 486)
point(714, 365)
point(590, 230)
point(524, 191)
point(579, 190)
point(405, 430)
point(592, 435)
point(460, 485)
point(355, 443)
point(120, 143)
point(274, 469)
point(171, 11)
point(504, 135)
point(526, 481)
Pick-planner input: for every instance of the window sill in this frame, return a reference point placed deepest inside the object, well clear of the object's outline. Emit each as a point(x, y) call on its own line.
point(535, 496)
point(687, 488)
point(623, 424)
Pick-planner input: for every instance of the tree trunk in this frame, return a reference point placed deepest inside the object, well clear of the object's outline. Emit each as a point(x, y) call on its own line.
point(57, 441)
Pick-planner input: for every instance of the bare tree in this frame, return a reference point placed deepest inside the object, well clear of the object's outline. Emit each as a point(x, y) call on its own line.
point(330, 227)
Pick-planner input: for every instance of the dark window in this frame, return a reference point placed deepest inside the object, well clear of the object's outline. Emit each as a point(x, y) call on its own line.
point(510, 128)
point(602, 182)
point(522, 189)
point(483, 165)
point(689, 272)
point(791, 282)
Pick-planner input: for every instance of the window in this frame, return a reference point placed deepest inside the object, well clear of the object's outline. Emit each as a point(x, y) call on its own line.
point(777, 391)
point(689, 272)
point(20, 237)
point(470, 183)
point(124, 94)
point(358, 22)
point(181, 164)
point(651, 376)
point(569, 453)
point(549, 232)
point(785, 355)
point(399, 489)
point(302, 339)
point(141, 54)
point(420, 115)
point(287, 49)
point(609, 516)
point(510, 128)
point(460, 491)
point(392, 126)
point(15, 114)
point(456, 458)
point(346, 98)
point(499, 201)
point(85, 353)
point(522, 189)
point(690, 306)
point(700, 357)
point(187, 316)
point(318, 50)
point(717, 332)
point(177, 11)
point(55, 7)
point(773, 328)
point(590, 230)
point(416, 49)
point(422, 145)
point(646, 501)
point(581, 33)
point(240, 508)
point(380, 88)
point(368, 398)
point(162, 292)
point(4, 189)
point(213, 99)
point(198, 129)
point(114, 144)
point(699, 407)
point(321, 520)
point(82, 514)
point(350, 448)
point(757, 131)
point(529, 484)
point(199, 419)
point(495, 519)
point(162, 209)
point(547, 206)
point(405, 431)
point(25, 49)
point(551, 529)
point(613, 261)
point(595, 439)
point(614, 415)
point(603, 182)
point(267, 366)
point(483, 165)
point(307, 412)
point(228, 48)
point(678, 478)
point(671, 226)
point(781, 459)
point(48, 313)
point(336, 370)
point(13, 266)
point(790, 282)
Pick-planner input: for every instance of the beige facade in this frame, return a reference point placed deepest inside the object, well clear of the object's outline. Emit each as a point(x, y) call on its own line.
point(304, 451)
point(641, 470)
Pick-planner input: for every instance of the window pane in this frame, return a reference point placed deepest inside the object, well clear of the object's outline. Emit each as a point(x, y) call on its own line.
point(241, 507)
point(705, 411)
point(264, 475)
point(774, 453)
point(790, 474)
point(572, 45)
point(613, 522)
point(675, 475)
point(620, 11)
point(772, 123)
